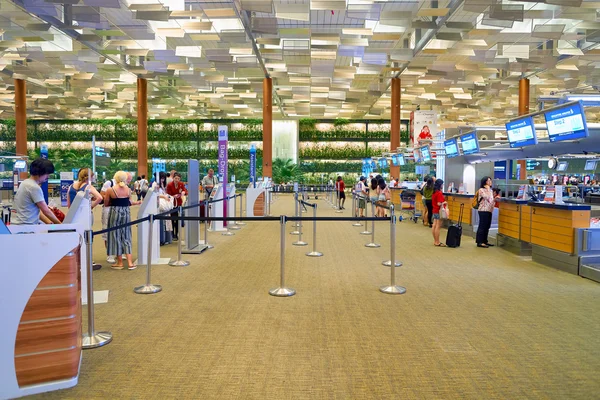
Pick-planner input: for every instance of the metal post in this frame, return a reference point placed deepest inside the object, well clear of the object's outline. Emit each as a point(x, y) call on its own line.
point(179, 262)
point(388, 263)
point(366, 231)
point(372, 244)
point(208, 246)
point(314, 252)
point(92, 339)
point(240, 223)
point(357, 198)
point(392, 288)
point(233, 225)
point(227, 232)
point(149, 288)
point(296, 212)
point(282, 291)
point(300, 242)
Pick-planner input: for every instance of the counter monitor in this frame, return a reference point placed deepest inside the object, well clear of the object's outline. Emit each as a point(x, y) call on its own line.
point(470, 144)
point(566, 123)
point(562, 166)
point(590, 165)
point(451, 147)
point(20, 164)
point(521, 132)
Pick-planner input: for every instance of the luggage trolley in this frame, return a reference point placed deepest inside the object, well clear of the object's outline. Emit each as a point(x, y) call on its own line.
point(407, 206)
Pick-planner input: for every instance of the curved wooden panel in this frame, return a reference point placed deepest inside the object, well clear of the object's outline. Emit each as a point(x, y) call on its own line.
point(259, 205)
point(48, 344)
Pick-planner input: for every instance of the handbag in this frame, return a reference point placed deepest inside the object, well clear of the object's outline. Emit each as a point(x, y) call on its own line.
point(444, 212)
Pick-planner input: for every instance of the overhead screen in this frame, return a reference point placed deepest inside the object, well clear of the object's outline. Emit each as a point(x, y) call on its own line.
point(469, 142)
point(451, 146)
point(567, 123)
point(397, 160)
point(521, 132)
point(562, 166)
point(425, 154)
point(590, 165)
point(417, 156)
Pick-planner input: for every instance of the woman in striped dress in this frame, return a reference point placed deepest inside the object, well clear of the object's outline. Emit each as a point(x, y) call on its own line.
point(119, 240)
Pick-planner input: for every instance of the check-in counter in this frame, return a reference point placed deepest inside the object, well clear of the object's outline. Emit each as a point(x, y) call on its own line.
point(514, 226)
point(454, 201)
point(40, 311)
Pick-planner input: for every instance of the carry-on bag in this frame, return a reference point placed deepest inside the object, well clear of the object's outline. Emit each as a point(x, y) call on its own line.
point(455, 231)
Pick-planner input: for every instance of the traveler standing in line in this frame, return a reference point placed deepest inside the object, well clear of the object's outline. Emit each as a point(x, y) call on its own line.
point(105, 215)
point(437, 200)
point(485, 199)
point(373, 195)
point(177, 190)
point(427, 192)
point(361, 191)
point(341, 187)
point(165, 203)
point(119, 240)
point(209, 182)
point(80, 186)
point(29, 203)
point(383, 197)
point(144, 186)
point(137, 188)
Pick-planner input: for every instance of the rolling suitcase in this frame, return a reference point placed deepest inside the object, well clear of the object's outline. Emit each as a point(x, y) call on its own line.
point(455, 231)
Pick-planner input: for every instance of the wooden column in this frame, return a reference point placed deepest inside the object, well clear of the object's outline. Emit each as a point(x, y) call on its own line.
point(21, 117)
point(142, 126)
point(523, 109)
point(395, 122)
point(267, 164)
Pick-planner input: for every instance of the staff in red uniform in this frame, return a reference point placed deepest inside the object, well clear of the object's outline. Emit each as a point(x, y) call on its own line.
point(176, 189)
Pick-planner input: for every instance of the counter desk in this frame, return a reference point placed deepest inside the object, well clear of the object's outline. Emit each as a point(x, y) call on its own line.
point(514, 226)
point(455, 200)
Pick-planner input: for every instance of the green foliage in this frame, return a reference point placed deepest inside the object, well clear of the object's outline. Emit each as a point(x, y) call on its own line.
point(336, 153)
point(330, 167)
point(286, 171)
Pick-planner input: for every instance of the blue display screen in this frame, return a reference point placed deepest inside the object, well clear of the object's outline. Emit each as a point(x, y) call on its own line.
point(566, 123)
point(521, 132)
point(400, 159)
point(425, 153)
point(373, 165)
point(383, 163)
point(469, 142)
point(451, 146)
point(417, 156)
point(395, 162)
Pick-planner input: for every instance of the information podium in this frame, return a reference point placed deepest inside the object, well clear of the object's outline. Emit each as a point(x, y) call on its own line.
point(149, 206)
point(216, 209)
point(256, 199)
point(80, 214)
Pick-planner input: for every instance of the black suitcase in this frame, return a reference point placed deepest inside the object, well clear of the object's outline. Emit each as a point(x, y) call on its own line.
point(455, 231)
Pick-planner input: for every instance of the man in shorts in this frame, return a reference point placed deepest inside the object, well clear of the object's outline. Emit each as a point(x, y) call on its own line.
point(361, 190)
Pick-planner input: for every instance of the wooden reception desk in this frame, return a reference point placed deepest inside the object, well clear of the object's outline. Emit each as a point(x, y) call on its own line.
point(40, 313)
point(553, 225)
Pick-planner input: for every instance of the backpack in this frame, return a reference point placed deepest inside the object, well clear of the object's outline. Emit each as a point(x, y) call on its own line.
point(144, 184)
point(476, 200)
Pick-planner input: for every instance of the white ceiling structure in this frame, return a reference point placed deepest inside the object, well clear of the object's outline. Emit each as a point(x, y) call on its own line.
point(327, 58)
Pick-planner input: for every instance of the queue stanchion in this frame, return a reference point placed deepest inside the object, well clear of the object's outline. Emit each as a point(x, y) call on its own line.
point(372, 243)
point(232, 225)
point(208, 246)
point(388, 263)
point(282, 291)
point(149, 288)
point(300, 242)
point(240, 223)
point(227, 232)
point(314, 252)
point(179, 262)
point(92, 339)
point(298, 224)
point(354, 203)
point(366, 231)
point(392, 288)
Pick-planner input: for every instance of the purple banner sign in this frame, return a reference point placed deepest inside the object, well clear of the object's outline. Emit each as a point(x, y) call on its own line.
point(223, 142)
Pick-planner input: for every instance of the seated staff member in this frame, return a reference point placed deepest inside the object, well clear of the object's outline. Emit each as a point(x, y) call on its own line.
point(209, 181)
point(177, 190)
point(29, 203)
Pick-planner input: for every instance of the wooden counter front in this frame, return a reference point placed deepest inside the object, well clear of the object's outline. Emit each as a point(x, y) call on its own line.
point(514, 220)
point(553, 227)
point(454, 202)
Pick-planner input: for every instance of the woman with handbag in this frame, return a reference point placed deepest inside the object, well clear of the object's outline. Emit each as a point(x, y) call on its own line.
point(383, 197)
point(437, 202)
point(486, 202)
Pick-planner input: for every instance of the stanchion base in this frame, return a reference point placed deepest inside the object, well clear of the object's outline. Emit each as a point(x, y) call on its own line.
point(339, 211)
point(234, 228)
point(392, 289)
point(147, 289)
point(210, 246)
point(97, 340)
point(228, 233)
point(240, 223)
point(357, 224)
point(300, 243)
point(388, 263)
point(314, 254)
point(295, 233)
point(282, 292)
point(372, 245)
point(365, 233)
point(180, 263)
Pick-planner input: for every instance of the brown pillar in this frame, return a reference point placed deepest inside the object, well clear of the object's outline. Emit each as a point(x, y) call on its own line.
point(268, 128)
point(395, 122)
point(21, 117)
point(142, 126)
point(523, 109)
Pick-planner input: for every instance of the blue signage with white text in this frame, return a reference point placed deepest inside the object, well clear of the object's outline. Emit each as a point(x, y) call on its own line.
point(521, 132)
point(566, 123)
point(253, 165)
point(469, 142)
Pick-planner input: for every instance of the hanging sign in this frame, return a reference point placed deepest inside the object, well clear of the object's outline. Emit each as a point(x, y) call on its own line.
point(223, 143)
point(253, 165)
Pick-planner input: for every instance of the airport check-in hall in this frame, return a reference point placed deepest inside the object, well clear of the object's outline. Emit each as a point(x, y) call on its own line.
point(304, 199)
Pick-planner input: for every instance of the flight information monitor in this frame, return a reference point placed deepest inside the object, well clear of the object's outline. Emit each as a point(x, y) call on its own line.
point(562, 166)
point(417, 156)
point(469, 142)
point(451, 146)
point(395, 161)
point(425, 153)
point(521, 132)
point(401, 160)
point(567, 123)
point(590, 165)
